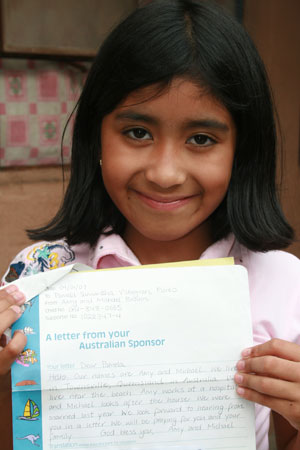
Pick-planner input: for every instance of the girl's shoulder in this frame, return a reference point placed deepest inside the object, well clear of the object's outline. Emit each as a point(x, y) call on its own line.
point(274, 284)
point(275, 261)
point(39, 257)
point(277, 269)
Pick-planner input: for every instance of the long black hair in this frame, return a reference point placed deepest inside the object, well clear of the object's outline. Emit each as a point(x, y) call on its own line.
point(157, 42)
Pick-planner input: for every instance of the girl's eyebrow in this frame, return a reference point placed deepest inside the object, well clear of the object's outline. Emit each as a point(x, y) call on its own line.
point(131, 115)
point(189, 123)
point(207, 123)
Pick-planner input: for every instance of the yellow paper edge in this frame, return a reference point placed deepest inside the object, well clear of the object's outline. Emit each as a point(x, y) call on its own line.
point(198, 262)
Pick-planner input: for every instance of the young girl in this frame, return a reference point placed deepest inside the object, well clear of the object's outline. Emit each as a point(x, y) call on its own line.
point(174, 159)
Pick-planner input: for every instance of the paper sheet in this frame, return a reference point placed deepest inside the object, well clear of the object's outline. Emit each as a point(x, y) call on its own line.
point(135, 359)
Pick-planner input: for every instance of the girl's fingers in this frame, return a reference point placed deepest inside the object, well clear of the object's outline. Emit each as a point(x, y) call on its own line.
point(11, 295)
point(11, 300)
point(288, 409)
point(269, 374)
point(9, 316)
point(11, 351)
point(271, 366)
point(262, 399)
point(3, 340)
point(269, 386)
point(275, 347)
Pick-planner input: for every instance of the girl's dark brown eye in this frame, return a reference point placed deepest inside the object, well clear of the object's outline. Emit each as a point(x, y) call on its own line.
point(201, 139)
point(138, 134)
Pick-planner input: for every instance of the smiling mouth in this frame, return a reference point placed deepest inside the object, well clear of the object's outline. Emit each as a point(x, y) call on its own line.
point(163, 203)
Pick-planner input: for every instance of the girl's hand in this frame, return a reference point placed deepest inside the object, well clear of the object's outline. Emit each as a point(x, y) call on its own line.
point(10, 301)
point(269, 374)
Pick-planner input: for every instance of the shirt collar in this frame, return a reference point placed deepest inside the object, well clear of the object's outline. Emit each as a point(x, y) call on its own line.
point(220, 249)
point(112, 251)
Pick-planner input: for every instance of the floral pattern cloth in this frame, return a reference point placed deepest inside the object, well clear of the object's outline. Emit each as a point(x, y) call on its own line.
point(37, 98)
point(39, 258)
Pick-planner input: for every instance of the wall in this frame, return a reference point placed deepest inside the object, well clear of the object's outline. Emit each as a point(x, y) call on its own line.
point(274, 27)
point(28, 199)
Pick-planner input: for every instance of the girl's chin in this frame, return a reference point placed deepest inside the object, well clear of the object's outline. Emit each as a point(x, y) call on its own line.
point(165, 234)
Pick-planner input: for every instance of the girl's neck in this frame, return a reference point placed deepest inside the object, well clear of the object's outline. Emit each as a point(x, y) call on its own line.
point(189, 247)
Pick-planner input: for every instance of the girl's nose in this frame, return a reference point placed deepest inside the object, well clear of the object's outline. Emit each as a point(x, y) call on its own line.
point(165, 168)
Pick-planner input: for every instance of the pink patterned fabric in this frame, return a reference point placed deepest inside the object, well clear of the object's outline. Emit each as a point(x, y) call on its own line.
point(36, 100)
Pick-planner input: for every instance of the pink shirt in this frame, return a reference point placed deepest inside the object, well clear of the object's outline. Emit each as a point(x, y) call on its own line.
point(274, 281)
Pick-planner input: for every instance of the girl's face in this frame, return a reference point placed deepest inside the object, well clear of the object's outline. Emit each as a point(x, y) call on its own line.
point(167, 159)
